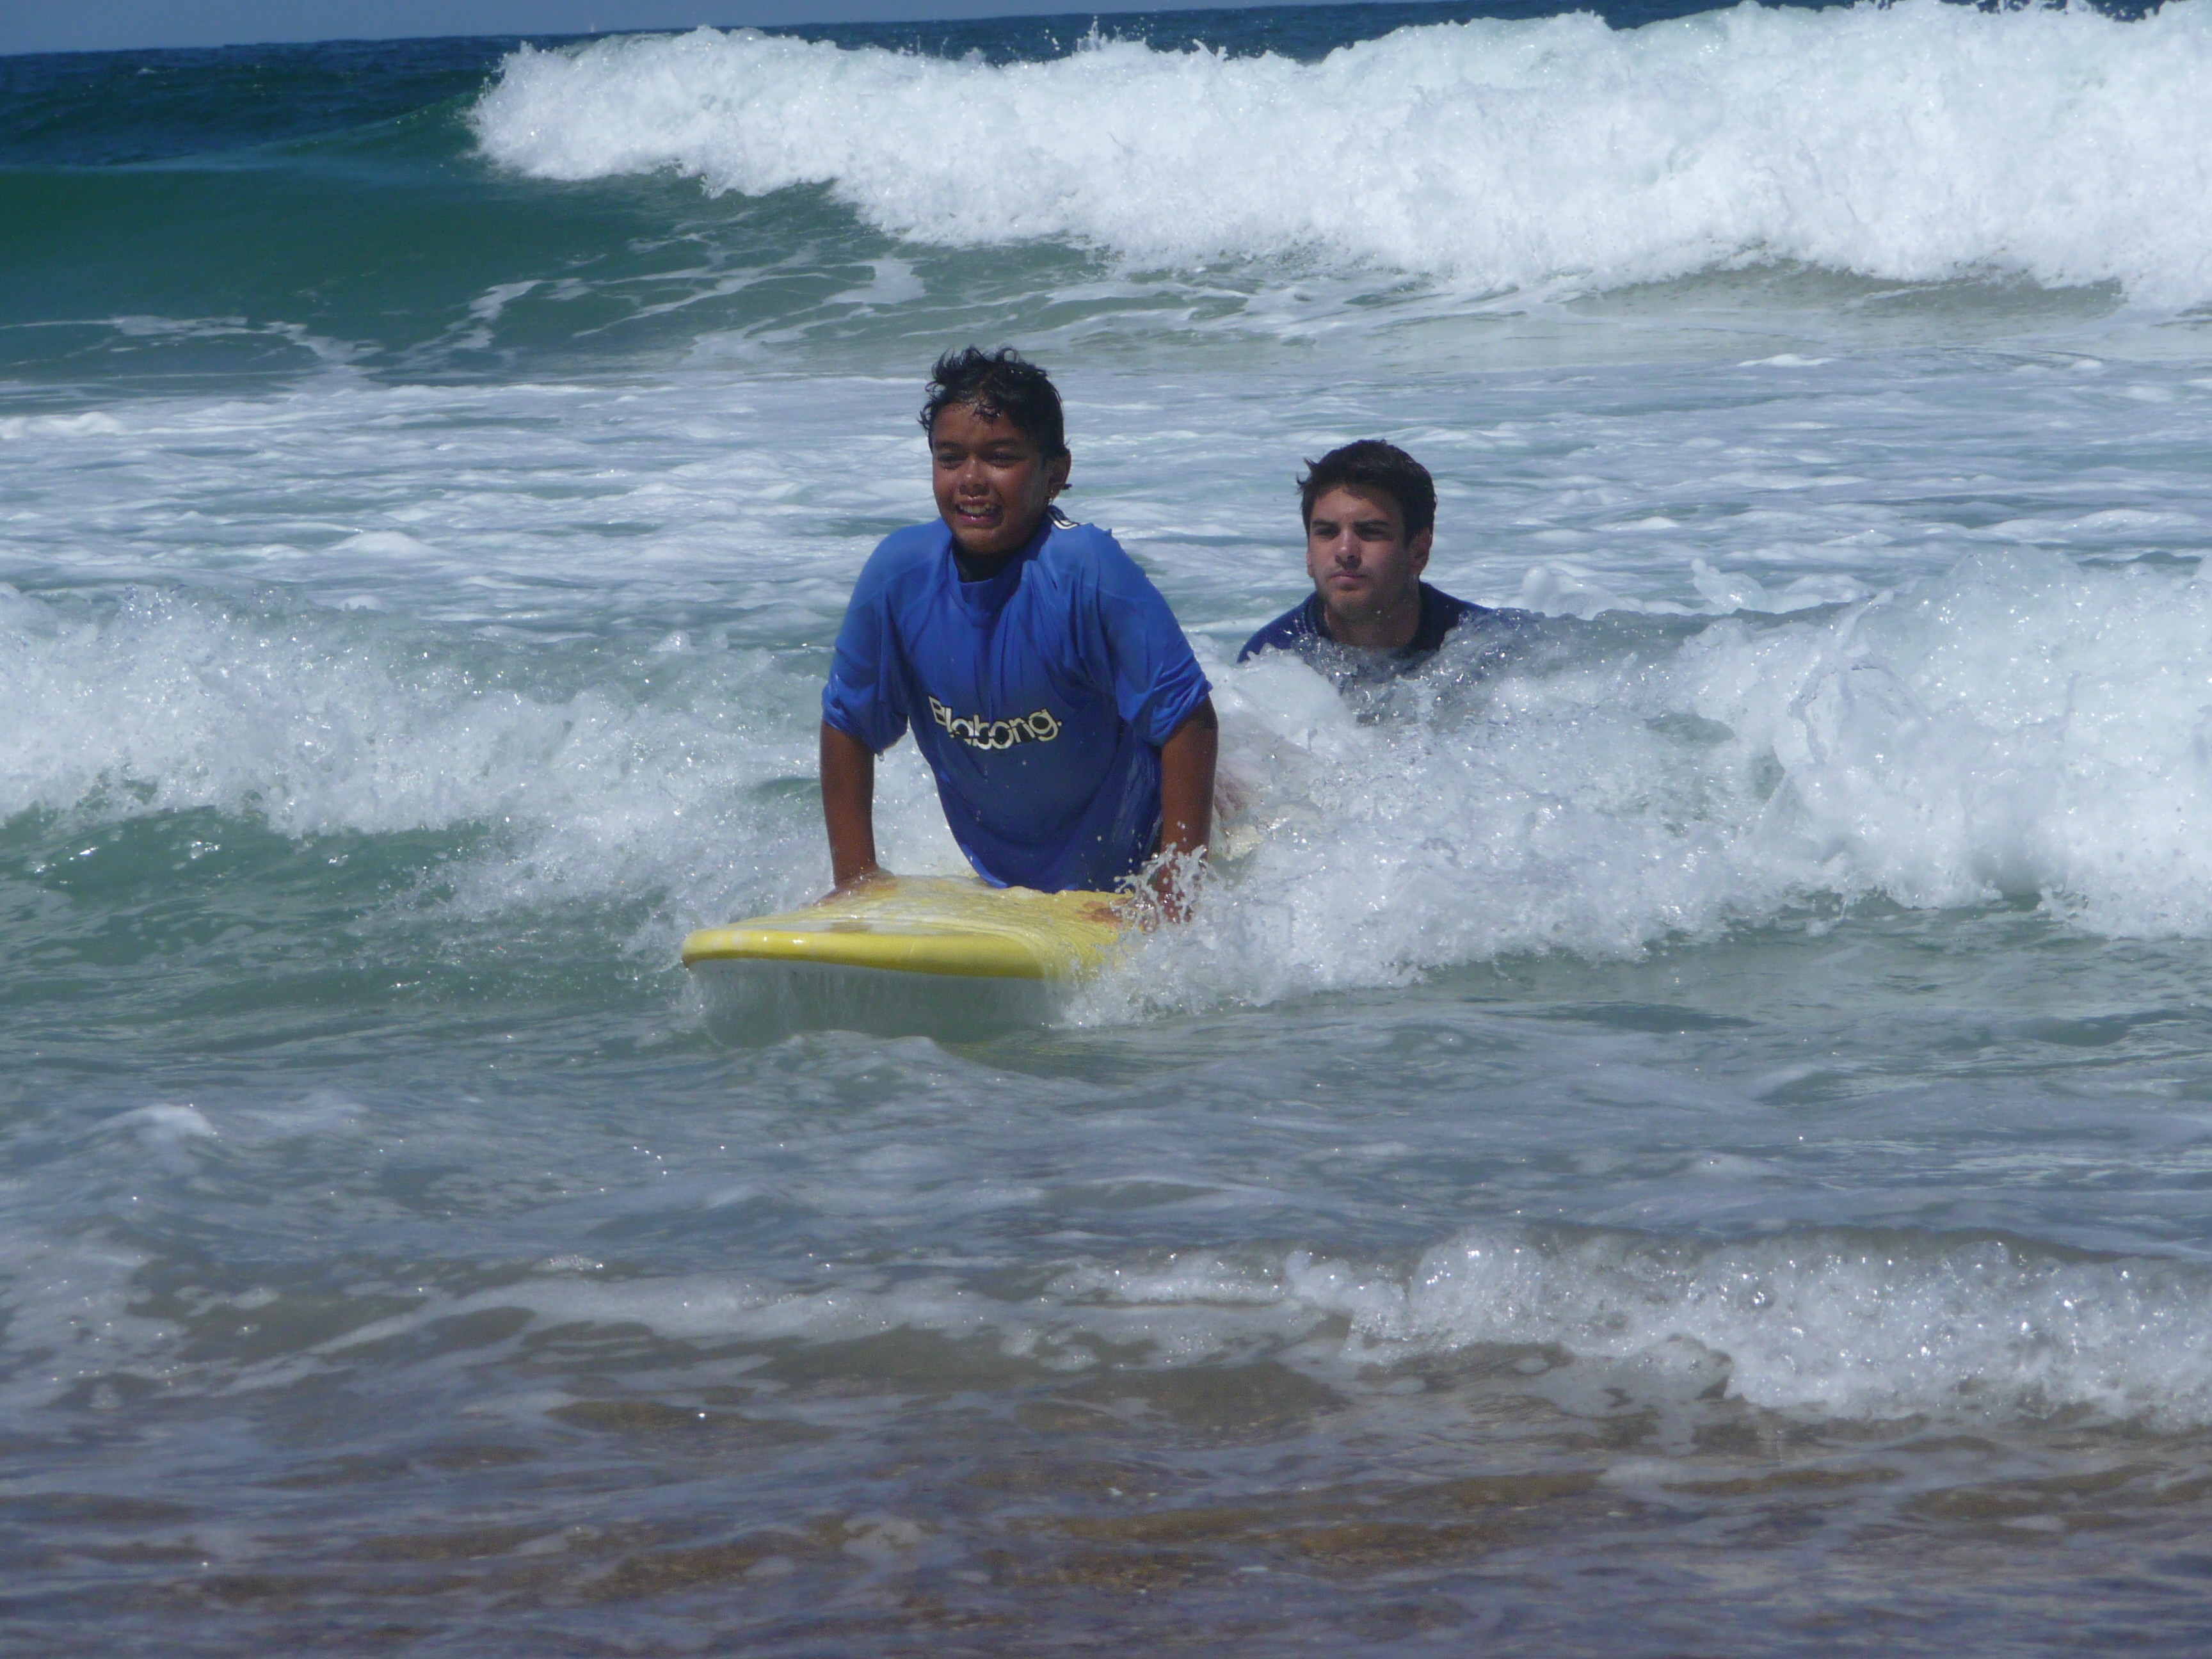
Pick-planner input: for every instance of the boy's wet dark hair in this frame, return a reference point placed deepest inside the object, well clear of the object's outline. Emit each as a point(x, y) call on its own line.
point(1385, 470)
point(995, 383)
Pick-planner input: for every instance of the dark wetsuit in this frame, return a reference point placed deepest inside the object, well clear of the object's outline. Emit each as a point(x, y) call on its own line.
point(1301, 629)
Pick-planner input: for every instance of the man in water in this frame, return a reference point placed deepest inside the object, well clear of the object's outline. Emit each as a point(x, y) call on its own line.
point(1371, 513)
point(1042, 675)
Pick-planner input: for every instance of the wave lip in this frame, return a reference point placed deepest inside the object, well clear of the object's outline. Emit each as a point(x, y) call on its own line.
point(1919, 142)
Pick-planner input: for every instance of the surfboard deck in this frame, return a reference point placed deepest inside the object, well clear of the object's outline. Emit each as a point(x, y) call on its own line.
point(928, 925)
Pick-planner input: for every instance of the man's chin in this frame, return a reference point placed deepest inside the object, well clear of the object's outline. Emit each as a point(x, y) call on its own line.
point(1361, 613)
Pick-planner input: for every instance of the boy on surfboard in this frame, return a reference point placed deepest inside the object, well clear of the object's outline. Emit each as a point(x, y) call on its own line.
point(1043, 677)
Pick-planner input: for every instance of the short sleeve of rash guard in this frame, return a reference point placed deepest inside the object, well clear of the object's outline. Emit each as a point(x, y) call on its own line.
point(1156, 680)
point(865, 698)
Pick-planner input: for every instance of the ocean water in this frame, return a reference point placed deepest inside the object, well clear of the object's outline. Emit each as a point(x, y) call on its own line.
point(1698, 1140)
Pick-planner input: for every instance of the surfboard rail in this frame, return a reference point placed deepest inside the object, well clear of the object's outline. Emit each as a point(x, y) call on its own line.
point(928, 925)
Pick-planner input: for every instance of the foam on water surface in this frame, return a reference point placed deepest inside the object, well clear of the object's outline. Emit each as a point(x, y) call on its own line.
point(2018, 727)
point(1816, 1327)
point(1919, 699)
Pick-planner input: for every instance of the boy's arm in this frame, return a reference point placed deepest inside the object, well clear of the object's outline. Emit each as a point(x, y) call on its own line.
point(849, 808)
point(1186, 798)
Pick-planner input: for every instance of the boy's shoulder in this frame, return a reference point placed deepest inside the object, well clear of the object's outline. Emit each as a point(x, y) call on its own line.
point(903, 558)
point(1088, 552)
point(917, 544)
point(1066, 536)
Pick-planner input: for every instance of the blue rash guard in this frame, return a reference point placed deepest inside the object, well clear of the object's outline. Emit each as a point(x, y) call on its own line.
point(1040, 696)
point(1301, 629)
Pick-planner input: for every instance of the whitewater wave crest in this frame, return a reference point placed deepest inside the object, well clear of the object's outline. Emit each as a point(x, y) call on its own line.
point(1822, 1325)
point(2021, 728)
point(658, 772)
point(1918, 141)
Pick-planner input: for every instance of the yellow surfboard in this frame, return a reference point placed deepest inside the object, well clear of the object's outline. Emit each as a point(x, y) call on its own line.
point(924, 925)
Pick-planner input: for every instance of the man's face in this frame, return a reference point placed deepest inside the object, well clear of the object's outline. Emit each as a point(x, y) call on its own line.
point(1357, 554)
point(992, 485)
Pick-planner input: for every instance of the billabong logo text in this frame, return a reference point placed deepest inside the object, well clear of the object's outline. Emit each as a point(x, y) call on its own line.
point(979, 733)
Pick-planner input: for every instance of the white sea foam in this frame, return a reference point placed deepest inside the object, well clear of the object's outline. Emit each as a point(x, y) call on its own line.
point(92, 424)
point(1918, 141)
point(1826, 1324)
point(1820, 1324)
point(2022, 726)
point(318, 723)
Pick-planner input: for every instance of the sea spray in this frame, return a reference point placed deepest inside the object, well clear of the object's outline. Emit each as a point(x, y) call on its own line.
point(1916, 141)
point(2020, 728)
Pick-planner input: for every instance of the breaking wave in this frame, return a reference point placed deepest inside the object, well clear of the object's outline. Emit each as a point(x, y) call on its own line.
point(1919, 141)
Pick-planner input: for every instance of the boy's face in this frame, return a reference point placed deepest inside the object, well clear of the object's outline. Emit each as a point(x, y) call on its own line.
point(992, 485)
point(1361, 562)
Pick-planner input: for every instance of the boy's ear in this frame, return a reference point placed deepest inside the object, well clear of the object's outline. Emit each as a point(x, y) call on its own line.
point(1056, 470)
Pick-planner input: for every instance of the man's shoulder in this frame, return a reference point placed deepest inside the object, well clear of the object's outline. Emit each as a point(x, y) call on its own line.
point(1448, 610)
point(1442, 613)
point(1292, 630)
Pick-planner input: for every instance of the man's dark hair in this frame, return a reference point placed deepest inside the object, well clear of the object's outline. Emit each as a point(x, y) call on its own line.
point(1385, 470)
point(995, 383)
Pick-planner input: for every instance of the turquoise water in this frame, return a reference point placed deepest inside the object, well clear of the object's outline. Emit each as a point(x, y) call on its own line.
point(1697, 1143)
